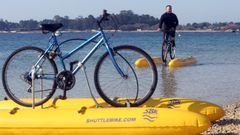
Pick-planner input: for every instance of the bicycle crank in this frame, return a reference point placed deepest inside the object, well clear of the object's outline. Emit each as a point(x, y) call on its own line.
point(65, 80)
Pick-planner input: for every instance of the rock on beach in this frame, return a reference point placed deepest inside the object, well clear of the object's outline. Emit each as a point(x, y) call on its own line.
point(229, 124)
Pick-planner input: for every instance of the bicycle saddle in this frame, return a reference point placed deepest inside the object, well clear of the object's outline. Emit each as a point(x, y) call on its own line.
point(51, 27)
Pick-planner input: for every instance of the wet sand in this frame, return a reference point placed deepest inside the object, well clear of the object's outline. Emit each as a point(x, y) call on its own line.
point(229, 124)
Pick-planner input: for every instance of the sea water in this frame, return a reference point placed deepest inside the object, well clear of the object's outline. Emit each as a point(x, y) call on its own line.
point(215, 78)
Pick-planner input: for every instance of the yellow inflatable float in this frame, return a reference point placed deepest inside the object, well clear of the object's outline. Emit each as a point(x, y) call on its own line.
point(78, 116)
point(212, 111)
point(142, 63)
point(182, 62)
point(158, 116)
point(177, 62)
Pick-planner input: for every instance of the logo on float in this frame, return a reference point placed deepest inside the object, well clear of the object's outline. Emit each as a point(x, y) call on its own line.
point(150, 115)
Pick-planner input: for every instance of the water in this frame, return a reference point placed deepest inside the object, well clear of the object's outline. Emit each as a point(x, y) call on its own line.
point(215, 78)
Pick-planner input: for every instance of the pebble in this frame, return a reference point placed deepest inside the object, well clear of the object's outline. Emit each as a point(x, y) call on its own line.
point(229, 124)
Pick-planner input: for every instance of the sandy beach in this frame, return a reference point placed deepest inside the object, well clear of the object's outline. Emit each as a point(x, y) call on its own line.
point(229, 124)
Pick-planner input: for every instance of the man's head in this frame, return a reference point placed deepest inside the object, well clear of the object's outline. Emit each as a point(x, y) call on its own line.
point(168, 9)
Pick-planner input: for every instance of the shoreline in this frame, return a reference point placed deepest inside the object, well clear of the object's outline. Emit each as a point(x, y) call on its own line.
point(229, 124)
point(69, 31)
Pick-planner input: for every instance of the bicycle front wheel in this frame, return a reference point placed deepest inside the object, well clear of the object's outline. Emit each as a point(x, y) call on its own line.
point(17, 76)
point(164, 52)
point(135, 87)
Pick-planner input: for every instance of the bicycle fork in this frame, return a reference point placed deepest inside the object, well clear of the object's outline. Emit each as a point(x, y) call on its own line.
point(111, 54)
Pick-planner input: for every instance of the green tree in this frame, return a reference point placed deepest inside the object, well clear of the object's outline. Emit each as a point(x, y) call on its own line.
point(3, 25)
point(29, 24)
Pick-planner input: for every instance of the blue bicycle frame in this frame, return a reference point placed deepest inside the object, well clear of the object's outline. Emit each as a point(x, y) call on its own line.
point(53, 43)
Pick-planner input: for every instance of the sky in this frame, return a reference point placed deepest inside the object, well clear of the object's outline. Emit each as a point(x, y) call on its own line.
point(188, 11)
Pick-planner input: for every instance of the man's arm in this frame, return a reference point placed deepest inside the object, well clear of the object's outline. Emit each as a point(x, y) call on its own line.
point(177, 23)
point(160, 22)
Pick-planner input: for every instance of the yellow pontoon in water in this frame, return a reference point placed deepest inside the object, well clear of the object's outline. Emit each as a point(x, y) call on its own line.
point(182, 62)
point(142, 63)
point(177, 62)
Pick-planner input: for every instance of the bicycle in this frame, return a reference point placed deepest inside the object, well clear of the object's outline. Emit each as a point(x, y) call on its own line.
point(167, 47)
point(32, 72)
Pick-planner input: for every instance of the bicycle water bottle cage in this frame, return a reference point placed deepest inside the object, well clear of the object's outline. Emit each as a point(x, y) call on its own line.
point(46, 28)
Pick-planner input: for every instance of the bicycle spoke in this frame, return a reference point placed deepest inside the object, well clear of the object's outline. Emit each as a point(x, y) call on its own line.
point(131, 88)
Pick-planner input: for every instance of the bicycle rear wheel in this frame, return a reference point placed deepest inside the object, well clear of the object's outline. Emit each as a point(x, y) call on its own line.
point(135, 88)
point(172, 52)
point(17, 80)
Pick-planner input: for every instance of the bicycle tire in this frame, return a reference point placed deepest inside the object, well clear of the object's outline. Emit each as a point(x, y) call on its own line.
point(16, 81)
point(134, 90)
point(164, 52)
point(172, 52)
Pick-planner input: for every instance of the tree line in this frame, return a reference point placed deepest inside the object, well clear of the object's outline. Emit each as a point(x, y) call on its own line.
point(126, 20)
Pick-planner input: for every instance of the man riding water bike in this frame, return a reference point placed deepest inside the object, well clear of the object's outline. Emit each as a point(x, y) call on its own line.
point(167, 24)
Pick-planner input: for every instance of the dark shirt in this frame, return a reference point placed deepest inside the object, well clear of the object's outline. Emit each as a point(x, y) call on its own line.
point(168, 21)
